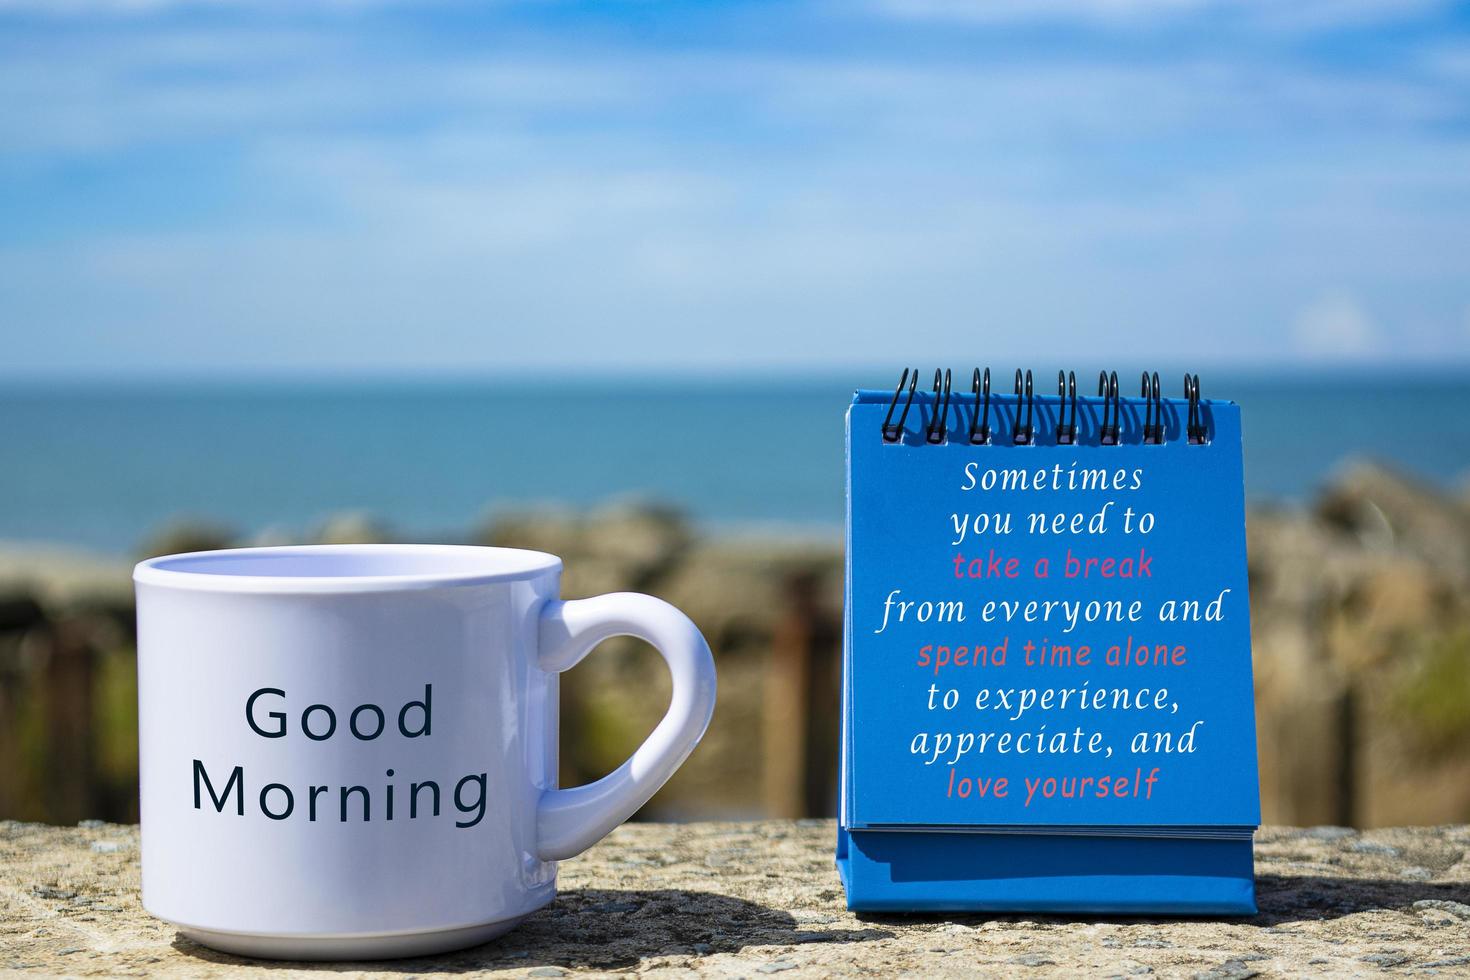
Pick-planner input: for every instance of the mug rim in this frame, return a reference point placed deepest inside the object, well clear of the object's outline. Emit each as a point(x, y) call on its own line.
point(493, 568)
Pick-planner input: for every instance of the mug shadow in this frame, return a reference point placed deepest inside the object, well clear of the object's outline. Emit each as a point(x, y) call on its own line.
point(597, 928)
point(1281, 900)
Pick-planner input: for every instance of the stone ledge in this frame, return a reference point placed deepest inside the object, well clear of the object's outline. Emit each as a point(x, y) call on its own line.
point(752, 899)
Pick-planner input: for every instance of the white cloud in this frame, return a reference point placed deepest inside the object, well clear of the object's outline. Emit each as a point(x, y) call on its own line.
point(144, 8)
point(1298, 14)
point(1334, 327)
point(1009, 11)
point(1269, 15)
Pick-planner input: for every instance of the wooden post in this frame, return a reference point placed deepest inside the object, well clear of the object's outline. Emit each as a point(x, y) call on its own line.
point(71, 776)
point(799, 774)
point(18, 614)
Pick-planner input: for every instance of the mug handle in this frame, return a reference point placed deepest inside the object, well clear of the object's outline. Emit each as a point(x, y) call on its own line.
point(568, 821)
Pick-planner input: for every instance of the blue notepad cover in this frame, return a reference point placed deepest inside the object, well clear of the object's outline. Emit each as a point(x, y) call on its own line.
point(1176, 842)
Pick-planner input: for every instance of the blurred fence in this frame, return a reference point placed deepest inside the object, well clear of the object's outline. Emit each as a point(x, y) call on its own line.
point(68, 712)
point(1360, 620)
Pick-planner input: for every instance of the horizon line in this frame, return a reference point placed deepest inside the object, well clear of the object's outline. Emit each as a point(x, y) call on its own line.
point(775, 375)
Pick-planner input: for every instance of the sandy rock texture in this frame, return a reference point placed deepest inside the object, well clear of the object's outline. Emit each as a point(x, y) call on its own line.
point(758, 899)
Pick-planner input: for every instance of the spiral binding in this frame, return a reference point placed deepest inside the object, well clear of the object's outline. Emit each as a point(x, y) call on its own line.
point(1023, 430)
point(1107, 390)
point(939, 426)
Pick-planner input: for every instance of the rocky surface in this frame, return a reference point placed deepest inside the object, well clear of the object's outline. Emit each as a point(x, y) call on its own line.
point(1360, 623)
point(61, 579)
point(757, 899)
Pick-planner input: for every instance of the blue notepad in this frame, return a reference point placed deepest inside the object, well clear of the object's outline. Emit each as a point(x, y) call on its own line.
point(1047, 695)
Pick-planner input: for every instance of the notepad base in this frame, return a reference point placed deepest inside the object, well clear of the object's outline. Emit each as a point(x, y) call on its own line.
point(935, 871)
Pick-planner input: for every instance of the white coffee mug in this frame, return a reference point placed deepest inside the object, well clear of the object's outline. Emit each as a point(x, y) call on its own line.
point(349, 751)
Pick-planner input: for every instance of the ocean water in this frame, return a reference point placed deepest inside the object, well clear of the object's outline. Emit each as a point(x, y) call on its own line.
point(103, 467)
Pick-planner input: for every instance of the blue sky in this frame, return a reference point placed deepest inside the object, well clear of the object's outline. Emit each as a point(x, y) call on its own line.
point(379, 188)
